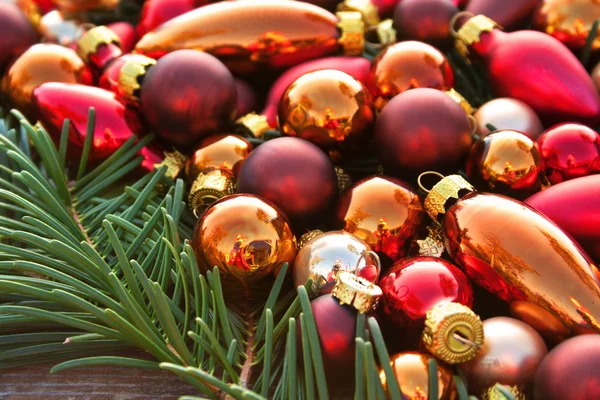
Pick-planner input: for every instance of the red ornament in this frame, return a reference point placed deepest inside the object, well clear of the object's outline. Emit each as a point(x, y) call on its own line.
point(115, 124)
point(409, 140)
point(537, 69)
point(570, 371)
point(425, 20)
point(570, 151)
point(157, 12)
point(574, 206)
point(509, 14)
point(126, 33)
point(45, 6)
point(186, 96)
point(246, 98)
point(109, 79)
point(16, 33)
point(408, 65)
point(385, 8)
point(295, 175)
point(413, 286)
point(357, 67)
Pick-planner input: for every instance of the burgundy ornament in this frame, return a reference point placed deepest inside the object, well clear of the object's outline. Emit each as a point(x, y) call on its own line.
point(570, 151)
point(157, 12)
point(246, 98)
point(425, 20)
point(509, 14)
point(16, 33)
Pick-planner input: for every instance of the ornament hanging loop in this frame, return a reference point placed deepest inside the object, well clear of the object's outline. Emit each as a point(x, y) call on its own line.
point(363, 256)
point(473, 123)
point(454, 20)
point(423, 188)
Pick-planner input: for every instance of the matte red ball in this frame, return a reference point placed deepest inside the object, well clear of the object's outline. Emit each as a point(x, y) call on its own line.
point(570, 151)
point(246, 98)
point(412, 286)
point(188, 95)
point(425, 20)
point(571, 371)
point(509, 14)
point(16, 33)
point(422, 130)
point(385, 8)
point(295, 175)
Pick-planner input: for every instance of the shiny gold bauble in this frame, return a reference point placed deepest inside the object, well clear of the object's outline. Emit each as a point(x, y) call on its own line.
point(507, 162)
point(247, 239)
point(569, 21)
point(328, 108)
point(318, 257)
point(412, 372)
point(42, 63)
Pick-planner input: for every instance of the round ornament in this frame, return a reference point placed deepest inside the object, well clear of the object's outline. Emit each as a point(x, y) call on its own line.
point(126, 33)
point(16, 33)
point(157, 12)
point(506, 113)
point(425, 20)
point(509, 14)
point(247, 101)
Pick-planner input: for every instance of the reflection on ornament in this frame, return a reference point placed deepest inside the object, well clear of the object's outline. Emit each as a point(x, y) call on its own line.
point(55, 28)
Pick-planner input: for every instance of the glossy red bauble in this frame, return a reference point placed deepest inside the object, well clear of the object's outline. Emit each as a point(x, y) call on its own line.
point(295, 175)
point(109, 79)
point(186, 96)
point(509, 14)
point(570, 151)
point(157, 12)
point(574, 206)
point(409, 140)
point(126, 33)
point(16, 33)
point(115, 124)
point(425, 20)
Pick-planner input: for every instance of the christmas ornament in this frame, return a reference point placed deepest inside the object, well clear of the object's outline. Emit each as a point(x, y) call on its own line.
point(570, 371)
point(253, 35)
point(157, 12)
point(553, 288)
point(357, 67)
point(16, 34)
point(429, 297)
point(382, 211)
point(126, 34)
point(212, 168)
point(246, 98)
point(408, 140)
point(98, 47)
point(29, 8)
point(428, 242)
point(248, 239)
point(510, 356)
point(509, 14)
point(295, 175)
point(73, 6)
point(412, 373)
point(170, 100)
point(570, 151)
point(56, 28)
point(573, 205)
point(330, 109)
point(507, 113)
point(44, 6)
point(507, 162)
point(109, 79)
point(115, 124)
point(324, 254)
point(564, 92)
point(596, 76)
point(385, 8)
point(425, 20)
point(408, 65)
point(39, 64)
point(569, 21)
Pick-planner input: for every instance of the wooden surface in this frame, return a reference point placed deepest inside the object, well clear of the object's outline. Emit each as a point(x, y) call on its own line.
point(94, 383)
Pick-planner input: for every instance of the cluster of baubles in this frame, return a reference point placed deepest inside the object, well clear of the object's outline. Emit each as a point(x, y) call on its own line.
point(268, 188)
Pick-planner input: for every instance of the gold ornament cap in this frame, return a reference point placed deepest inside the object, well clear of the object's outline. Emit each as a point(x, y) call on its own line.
point(432, 245)
point(449, 187)
point(210, 187)
point(352, 27)
point(367, 10)
point(131, 73)
point(253, 125)
point(308, 236)
point(175, 163)
point(471, 30)
point(358, 292)
point(343, 178)
point(453, 333)
point(495, 393)
point(457, 97)
point(89, 41)
point(386, 32)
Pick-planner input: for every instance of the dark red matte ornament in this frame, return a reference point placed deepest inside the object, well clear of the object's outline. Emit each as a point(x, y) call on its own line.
point(157, 12)
point(509, 14)
point(16, 33)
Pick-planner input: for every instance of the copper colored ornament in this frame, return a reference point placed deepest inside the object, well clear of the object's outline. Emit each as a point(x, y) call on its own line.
point(157, 12)
point(412, 373)
point(357, 67)
point(569, 21)
point(248, 239)
point(249, 35)
point(85, 5)
point(507, 113)
point(16, 33)
point(126, 33)
point(320, 257)
point(425, 20)
point(115, 124)
point(570, 371)
point(382, 211)
point(179, 112)
point(509, 14)
point(553, 289)
point(295, 175)
point(410, 141)
point(511, 355)
point(570, 151)
point(328, 108)
point(507, 162)
point(56, 28)
point(39, 64)
point(574, 206)
point(408, 65)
